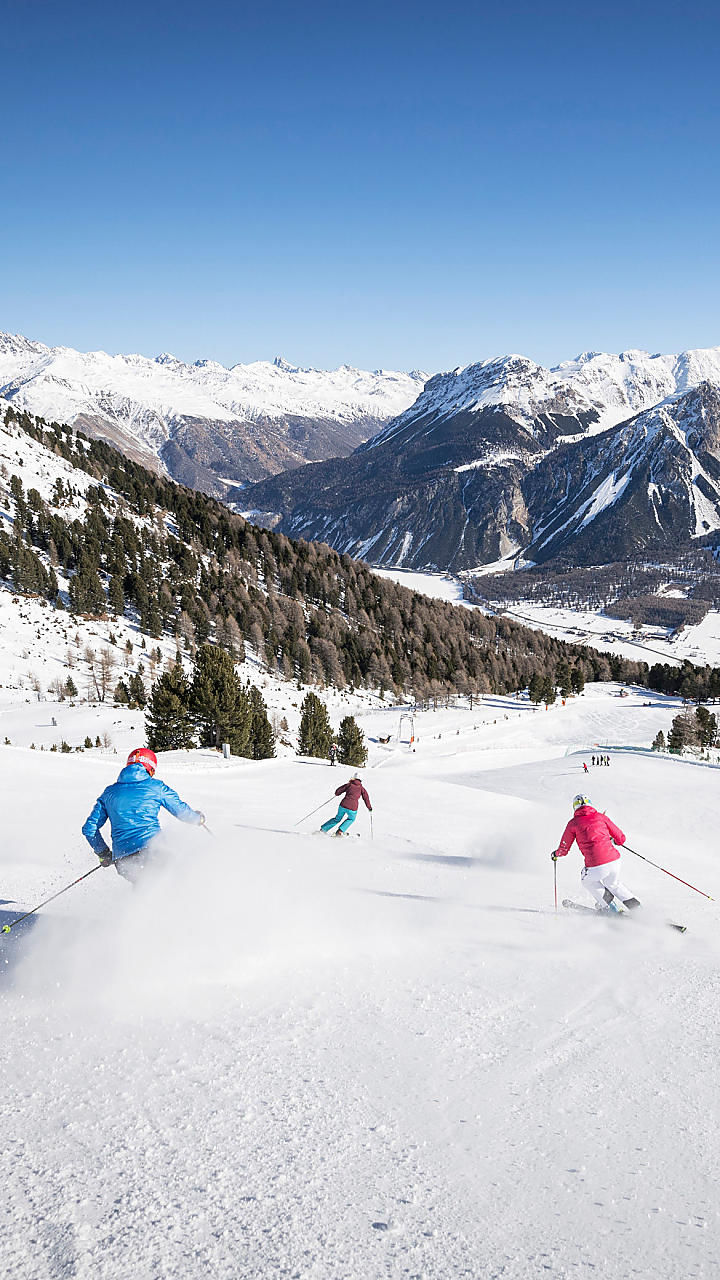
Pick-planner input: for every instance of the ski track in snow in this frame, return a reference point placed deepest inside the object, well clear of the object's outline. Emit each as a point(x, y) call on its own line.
point(299, 1057)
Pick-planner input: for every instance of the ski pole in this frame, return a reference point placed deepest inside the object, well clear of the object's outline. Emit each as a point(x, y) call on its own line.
point(7, 927)
point(667, 873)
point(372, 829)
point(309, 815)
point(555, 879)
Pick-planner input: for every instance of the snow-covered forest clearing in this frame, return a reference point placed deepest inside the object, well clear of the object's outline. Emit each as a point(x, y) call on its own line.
point(289, 1055)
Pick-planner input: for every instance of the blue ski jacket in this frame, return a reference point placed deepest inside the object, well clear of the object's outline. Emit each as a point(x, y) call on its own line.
point(133, 804)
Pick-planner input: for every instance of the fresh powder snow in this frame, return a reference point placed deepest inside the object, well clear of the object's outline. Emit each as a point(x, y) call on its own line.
point(290, 1055)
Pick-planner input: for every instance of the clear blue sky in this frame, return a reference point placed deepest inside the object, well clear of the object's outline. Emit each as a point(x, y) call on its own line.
point(398, 185)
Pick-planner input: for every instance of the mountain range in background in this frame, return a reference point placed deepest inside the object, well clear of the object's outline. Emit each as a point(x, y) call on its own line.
point(599, 458)
point(207, 426)
point(501, 462)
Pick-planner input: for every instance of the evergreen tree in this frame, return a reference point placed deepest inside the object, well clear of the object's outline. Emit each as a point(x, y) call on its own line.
point(659, 741)
point(168, 722)
point(563, 679)
point(706, 727)
point(70, 688)
point(85, 589)
point(549, 692)
point(535, 688)
point(351, 742)
point(116, 595)
point(682, 733)
point(262, 738)
point(136, 690)
point(122, 693)
point(218, 702)
point(577, 680)
point(315, 731)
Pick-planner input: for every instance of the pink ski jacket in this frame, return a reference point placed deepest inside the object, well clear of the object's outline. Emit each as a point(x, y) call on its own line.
point(594, 833)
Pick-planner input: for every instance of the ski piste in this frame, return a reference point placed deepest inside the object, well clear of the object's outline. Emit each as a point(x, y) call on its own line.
point(578, 906)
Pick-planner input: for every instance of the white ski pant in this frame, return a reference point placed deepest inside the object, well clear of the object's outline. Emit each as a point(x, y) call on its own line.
point(607, 876)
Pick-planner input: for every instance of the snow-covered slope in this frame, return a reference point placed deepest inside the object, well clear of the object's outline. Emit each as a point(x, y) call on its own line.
point(201, 421)
point(651, 481)
point(281, 1057)
point(603, 388)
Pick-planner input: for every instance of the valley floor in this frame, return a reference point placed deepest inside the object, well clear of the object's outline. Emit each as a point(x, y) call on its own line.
point(293, 1056)
point(699, 644)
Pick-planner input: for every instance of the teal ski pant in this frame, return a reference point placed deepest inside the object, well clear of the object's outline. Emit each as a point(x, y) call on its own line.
point(344, 816)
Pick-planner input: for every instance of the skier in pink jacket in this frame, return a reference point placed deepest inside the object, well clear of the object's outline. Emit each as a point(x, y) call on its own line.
point(597, 838)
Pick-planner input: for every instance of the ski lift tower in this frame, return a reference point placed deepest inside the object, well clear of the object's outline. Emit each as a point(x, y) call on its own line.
point(407, 726)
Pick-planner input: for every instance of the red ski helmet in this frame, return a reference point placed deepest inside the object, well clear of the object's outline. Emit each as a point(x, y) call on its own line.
point(143, 755)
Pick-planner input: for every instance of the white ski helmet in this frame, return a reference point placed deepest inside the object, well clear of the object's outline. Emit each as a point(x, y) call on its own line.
point(357, 775)
point(579, 801)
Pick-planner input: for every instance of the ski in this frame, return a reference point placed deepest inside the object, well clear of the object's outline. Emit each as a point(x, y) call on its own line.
point(578, 906)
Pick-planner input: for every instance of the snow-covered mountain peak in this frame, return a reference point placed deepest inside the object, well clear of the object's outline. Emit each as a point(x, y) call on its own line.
point(202, 420)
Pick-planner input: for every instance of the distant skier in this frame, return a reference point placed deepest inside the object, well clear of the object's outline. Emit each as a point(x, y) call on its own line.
point(333, 753)
point(132, 805)
point(597, 838)
point(593, 760)
point(585, 768)
point(352, 792)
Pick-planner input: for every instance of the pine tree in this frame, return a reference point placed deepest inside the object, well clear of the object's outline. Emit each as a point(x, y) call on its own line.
point(706, 726)
point(168, 722)
point(136, 690)
point(563, 679)
point(682, 732)
point(315, 730)
point(116, 595)
point(262, 738)
point(549, 692)
point(535, 688)
point(85, 589)
point(351, 742)
point(70, 688)
point(218, 702)
point(659, 741)
point(122, 693)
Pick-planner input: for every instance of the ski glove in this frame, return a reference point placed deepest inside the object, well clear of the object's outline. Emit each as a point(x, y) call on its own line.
point(554, 857)
point(105, 858)
point(201, 818)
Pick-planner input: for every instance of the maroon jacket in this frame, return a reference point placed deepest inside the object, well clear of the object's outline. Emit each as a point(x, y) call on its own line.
point(594, 833)
point(352, 791)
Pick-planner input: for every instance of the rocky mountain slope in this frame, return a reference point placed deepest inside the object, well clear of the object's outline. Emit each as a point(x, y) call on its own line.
point(207, 426)
point(507, 458)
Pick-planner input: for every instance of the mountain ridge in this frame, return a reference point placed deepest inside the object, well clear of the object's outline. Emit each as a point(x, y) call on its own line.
point(448, 484)
point(206, 425)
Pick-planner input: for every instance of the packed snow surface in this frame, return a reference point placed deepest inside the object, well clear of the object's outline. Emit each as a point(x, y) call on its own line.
point(288, 1055)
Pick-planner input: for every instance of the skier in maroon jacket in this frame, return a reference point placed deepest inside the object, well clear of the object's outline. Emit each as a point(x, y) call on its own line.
point(347, 812)
point(598, 838)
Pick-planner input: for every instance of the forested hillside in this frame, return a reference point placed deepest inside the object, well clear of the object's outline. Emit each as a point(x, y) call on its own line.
point(180, 563)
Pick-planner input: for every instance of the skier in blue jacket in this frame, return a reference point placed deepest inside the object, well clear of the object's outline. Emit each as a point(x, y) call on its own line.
point(132, 805)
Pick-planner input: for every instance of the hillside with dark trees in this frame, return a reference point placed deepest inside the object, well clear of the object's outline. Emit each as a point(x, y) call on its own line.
point(184, 565)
